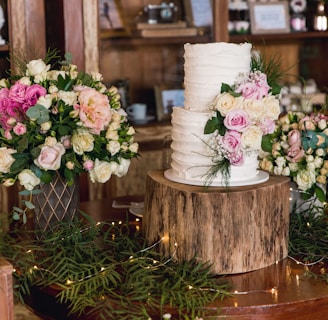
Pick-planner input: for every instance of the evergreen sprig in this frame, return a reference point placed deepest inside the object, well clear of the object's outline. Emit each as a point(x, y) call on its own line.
point(108, 272)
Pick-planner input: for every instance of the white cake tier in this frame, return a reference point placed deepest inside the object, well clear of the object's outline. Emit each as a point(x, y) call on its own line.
point(191, 158)
point(209, 65)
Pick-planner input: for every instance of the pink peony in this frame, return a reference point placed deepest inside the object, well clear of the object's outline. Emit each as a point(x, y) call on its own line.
point(33, 93)
point(231, 141)
point(94, 109)
point(17, 92)
point(237, 120)
point(255, 88)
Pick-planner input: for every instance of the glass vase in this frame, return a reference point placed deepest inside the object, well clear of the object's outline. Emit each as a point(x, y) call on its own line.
point(57, 202)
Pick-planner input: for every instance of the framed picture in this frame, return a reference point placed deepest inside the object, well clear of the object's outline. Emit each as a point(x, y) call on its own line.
point(166, 99)
point(199, 14)
point(111, 19)
point(269, 17)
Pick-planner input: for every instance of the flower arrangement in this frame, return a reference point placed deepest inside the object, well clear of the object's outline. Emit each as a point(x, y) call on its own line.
point(244, 113)
point(61, 120)
point(298, 149)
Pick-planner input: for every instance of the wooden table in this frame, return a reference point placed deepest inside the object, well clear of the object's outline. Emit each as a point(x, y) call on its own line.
point(281, 291)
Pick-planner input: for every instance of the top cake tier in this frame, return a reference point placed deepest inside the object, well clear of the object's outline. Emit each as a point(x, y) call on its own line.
point(209, 65)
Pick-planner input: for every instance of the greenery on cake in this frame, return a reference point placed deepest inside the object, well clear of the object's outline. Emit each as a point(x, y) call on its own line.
point(244, 112)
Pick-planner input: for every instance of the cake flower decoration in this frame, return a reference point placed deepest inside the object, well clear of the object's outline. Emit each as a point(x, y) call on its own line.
point(244, 113)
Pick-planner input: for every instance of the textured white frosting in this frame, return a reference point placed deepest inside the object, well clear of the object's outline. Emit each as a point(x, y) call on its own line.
point(191, 157)
point(207, 66)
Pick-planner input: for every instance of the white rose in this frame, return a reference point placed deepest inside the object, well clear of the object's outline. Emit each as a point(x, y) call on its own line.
point(45, 126)
point(112, 135)
point(46, 101)
point(113, 147)
point(25, 80)
point(131, 131)
point(272, 107)
point(69, 97)
point(40, 77)
point(320, 152)
point(255, 109)
point(309, 158)
point(6, 159)
point(252, 138)
point(286, 172)
point(305, 179)
point(114, 126)
point(8, 182)
point(123, 167)
point(311, 166)
point(116, 117)
point(266, 165)
point(36, 67)
point(4, 83)
point(280, 161)
point(53, 89)
point(82, 141)
point(318, 162)
point(322, 124)
point(28, 179)
point(134, 147)
point(101, 171)
point(293, 166)
point(96, 76)
point(225, 102)
point(278, 171)
point(50, 141)
point(53, 74)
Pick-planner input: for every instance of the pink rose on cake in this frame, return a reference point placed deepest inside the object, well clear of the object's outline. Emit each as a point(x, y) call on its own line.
point(237, 120)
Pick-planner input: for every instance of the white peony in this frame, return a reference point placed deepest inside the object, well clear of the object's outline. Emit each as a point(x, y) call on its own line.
point(28, 179)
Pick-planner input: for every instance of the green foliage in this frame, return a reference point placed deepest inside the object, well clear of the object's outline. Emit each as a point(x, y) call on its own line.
point(111, 272)
point(215, 123)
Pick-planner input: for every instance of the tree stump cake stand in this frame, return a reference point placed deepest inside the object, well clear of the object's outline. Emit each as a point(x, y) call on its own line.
point(237, 230)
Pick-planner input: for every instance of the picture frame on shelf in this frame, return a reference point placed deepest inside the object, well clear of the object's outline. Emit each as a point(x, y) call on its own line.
point(111, 19)
point(167, 98)
point(269, 17)
point(199, 14)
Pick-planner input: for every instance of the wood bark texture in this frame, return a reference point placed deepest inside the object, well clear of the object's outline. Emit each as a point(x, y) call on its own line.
point(236, 230)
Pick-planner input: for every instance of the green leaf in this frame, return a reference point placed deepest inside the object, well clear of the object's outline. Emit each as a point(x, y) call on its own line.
point(46, 176)
point(215, 123)
point(29, 205)
point(267, 143)
point(19, 164)
point(15, 216)
point(22, 143)
point(38, 113)
point(320, 194)
point(16, 209)
point(225, 88)
point(24, 218)
point(25, 192)
point(64, 130)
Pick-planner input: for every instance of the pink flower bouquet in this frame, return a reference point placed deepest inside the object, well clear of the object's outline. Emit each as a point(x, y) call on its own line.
point(61, 121)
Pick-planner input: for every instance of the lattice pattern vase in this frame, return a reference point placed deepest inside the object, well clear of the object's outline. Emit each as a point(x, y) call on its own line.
point(58, 202)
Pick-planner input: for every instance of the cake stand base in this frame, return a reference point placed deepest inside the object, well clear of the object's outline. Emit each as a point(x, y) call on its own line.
point(236, 229)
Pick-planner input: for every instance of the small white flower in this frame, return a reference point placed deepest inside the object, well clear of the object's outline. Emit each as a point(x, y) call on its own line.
point(322, 124)
point(318, 162)
point(320, 152)
point(280, 161)
point(309, 158)
point(167, 316)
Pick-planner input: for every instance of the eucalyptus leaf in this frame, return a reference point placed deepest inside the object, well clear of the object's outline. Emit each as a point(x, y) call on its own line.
point(16, 209)
point(38, 113)
point(15, 216)
point(29, 205)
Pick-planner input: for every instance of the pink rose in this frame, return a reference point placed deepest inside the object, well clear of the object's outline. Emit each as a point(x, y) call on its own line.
point(294, 138)
point(19, 129)
point(50, 157)
point(88, 165)
point(295, 153)
point(94, 109)
point(256, 87)
point(267, 126)
point(231, 141)
point(237, 120)
point(307, 123)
